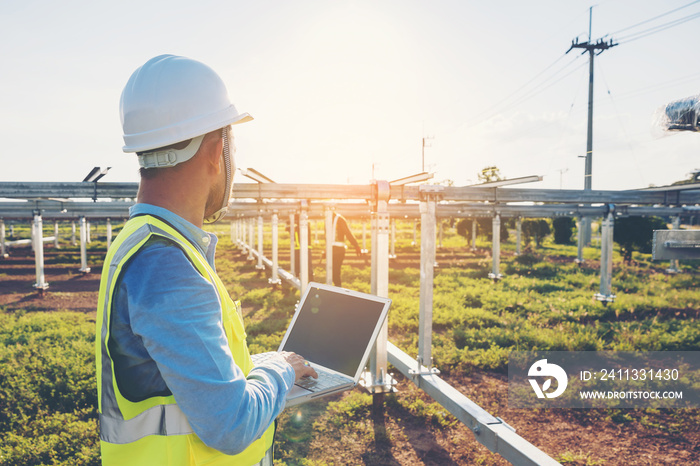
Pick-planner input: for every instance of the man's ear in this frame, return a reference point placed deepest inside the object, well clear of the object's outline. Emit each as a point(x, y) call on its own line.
point(212, 148)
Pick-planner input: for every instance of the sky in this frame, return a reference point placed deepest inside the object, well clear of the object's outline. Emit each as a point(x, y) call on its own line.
point(344, 92)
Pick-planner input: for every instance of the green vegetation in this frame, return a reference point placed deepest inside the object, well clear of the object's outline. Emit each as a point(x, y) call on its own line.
point(47, 389)
point(545, 302)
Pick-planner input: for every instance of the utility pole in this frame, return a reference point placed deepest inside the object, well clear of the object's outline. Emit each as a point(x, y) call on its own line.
point(593, 49)
point(425, 138)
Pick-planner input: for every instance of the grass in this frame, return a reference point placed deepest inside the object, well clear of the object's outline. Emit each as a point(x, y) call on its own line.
point(544, 301)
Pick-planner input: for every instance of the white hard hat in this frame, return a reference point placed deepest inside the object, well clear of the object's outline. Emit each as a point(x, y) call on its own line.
point(171, 99)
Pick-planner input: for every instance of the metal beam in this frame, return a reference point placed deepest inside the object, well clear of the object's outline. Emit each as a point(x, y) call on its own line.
point(490, 431)
point(81, 190)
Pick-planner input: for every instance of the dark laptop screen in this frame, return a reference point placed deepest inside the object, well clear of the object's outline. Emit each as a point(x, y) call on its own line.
point(334, 329)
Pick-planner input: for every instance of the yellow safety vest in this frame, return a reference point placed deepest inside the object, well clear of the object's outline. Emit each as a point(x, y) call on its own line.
point(155, 431)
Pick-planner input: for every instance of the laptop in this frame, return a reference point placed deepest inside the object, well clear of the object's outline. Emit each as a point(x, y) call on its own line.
point(334, 329)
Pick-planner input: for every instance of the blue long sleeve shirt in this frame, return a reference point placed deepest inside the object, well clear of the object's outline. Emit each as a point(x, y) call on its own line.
point(167, 337)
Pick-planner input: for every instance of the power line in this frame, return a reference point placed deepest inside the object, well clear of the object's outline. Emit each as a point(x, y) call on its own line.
point(494, 106)
point(659, 28)
point(654, 18)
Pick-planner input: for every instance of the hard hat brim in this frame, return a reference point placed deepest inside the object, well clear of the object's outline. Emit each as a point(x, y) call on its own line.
point(162, 137)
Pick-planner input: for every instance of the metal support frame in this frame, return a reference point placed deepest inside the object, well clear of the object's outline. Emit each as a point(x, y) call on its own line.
point(304, 247)
point(377, 380)
point(330, 238)
point(580, 240)
point(55, 234)
point(72, 234)
point(585, 231)
point(474, 224)
point(3, 248)
point(606, 257)
point(364, 237)
point(292, 258)
point(38, 237)
point(428, 222)
point(496, 435)
point(89, 237)
point(32, 233)
point(392, 250)
point(275, 279)
point(83, 247)
point(674, 266)
point(518, 235)
point(109, 232)
point(496, 248)
point(241, 232)
point(251, 241)
point(490, 431)
point(260, 265)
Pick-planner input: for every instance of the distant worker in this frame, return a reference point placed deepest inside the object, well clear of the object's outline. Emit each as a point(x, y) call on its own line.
point(341, 232)
point(176, 384)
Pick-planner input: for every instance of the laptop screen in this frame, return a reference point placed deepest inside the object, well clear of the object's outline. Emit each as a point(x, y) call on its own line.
point(334, 329)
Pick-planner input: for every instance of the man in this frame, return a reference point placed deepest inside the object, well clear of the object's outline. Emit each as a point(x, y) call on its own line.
point(176, 385)
point(341, 232)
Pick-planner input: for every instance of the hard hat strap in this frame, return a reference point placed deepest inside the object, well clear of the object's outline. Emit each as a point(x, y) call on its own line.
point(170, 157)
point(228, 161)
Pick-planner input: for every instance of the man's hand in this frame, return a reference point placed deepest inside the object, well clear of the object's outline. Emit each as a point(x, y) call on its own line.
point(301, 366)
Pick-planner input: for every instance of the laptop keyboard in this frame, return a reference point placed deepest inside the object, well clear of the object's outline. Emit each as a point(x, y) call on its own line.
point(325, 379)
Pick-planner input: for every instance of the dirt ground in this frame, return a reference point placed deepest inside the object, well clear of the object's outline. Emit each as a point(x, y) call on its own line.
point(577, 437)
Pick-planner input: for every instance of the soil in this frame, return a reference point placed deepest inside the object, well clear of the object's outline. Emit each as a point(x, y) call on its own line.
point(576, 437)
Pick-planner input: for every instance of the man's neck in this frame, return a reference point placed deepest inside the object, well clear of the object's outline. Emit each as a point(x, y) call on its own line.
point(173, 196)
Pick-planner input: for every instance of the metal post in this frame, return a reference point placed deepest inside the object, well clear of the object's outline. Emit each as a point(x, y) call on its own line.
point(275, 280)
point(377, 381)
point(260, 265)
point(606, 257)
point(38, 228)
point(109, 233)
point(251, 239)
point(55, 234)
point(238, 232)
point(32, 235)
point(244, 234)
point(72, 234)
point(427, 263)
point(392, 253)
point(518, 235)
point(674, 262)
point(292, 259)
point(83, 252)
point(3, 250)
point(329, 245)
point(364, 237)
point(304, 248)
point(474, 234)
point(89, 237)
point(580, 235)
point(585, 230)
point(496, 248)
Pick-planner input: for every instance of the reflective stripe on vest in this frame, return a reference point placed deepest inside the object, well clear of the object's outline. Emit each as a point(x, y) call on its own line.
point(155, 431)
